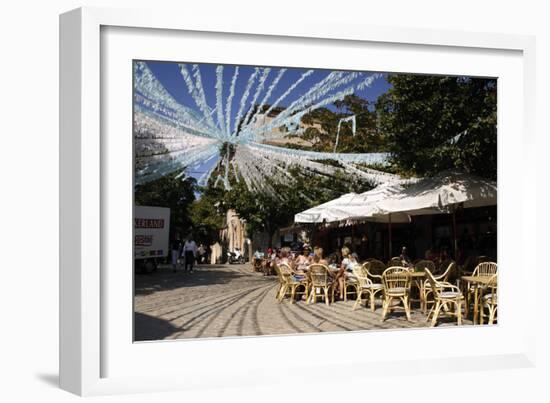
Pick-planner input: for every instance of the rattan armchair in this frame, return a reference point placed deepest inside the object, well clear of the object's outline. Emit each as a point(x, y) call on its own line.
point(320, 283)
point(257, 264)
point(365, 286)
point(427, 286)
point(375, 269)
point(424, 264)
point(351, 286)
point(279, 296)
point(441, 267)
point(445, 294)
point(488, 299)
point(291, 284)
point(396, 282)
point(418, 282)
point(486, 269)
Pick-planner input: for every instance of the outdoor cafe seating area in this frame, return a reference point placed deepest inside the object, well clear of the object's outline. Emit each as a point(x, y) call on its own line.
point(436, 290)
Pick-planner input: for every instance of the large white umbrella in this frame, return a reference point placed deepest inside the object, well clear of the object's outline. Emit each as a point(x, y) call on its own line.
point(331, 211)
point(353, 206)
point(441, 194)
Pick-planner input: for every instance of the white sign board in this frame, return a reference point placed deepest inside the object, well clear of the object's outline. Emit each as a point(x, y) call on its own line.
point(151, 229)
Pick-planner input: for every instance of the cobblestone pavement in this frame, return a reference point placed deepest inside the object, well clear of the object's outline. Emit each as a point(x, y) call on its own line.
point(230, 300)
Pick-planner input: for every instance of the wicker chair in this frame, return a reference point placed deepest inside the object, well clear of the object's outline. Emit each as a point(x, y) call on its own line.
point(279, 296)
point(396, 283)
point(488, 299)
point(319, 280)
point(485, 269)
point(424, 264)
point(291, 283)
point(351, 286)
point(482, 269)
point(418, 282)
point(427, 286)
point(441, 267)
point(366, 286)
point(257, 265)
point(375, 269)
point(444, 294)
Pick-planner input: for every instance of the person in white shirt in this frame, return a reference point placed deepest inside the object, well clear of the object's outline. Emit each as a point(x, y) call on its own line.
point(189, 254)
point(349, 261)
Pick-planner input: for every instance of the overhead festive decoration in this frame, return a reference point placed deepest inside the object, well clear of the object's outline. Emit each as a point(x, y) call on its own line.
point(171, 137)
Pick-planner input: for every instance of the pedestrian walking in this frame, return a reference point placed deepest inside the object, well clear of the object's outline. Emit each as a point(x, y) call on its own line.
point(176, 248)
point(201, 252)
point(189, 254)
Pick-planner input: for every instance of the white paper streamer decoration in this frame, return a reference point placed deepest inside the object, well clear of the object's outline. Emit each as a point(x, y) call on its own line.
point(171, 137)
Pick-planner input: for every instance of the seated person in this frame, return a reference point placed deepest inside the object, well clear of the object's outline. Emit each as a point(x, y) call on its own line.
point(318, 256)
point(258, 254)
point(431, 254)
point(405, 259)
point(349, 261)
point(268, 262)
point(286, 259)
point(302, 261)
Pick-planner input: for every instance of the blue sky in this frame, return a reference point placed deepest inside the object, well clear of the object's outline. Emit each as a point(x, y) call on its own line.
point(169, 75)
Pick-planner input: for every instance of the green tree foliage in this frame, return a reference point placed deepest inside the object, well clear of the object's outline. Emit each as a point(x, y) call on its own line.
point(323, 127)
point(265, 212)
point(207, 215)
point(422, 115)
point(173, 192)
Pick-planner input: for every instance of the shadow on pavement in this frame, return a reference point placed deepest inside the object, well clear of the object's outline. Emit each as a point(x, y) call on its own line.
point(150, 328)
point(165, 279)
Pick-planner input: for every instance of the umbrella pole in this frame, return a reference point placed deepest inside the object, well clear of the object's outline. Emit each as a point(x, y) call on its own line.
point(455, 249)
point(389, 236)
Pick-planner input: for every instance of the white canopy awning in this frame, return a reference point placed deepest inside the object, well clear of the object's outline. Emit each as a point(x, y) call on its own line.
point(439, 194)
point(434, 195)
point(354, 206)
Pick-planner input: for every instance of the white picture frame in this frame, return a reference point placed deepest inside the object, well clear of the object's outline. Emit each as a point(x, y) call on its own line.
point(85, 182)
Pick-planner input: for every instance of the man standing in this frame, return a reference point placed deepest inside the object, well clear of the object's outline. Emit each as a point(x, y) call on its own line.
point(189, 253)
point(176, 251)
point(201, 251)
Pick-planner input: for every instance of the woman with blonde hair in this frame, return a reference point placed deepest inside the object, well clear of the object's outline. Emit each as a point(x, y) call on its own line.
point(319, 259)
point(349, 261)
point(318, 256)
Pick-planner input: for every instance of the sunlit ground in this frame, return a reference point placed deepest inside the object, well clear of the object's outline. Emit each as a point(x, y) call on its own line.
point(230, 300)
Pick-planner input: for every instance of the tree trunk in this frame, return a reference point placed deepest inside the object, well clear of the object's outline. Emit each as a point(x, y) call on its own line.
point(270, 233)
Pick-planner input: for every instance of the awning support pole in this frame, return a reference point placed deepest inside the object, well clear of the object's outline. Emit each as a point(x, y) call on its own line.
point(389, 236)
point(455, 248)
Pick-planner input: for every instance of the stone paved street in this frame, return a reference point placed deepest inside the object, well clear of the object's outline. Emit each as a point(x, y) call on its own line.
point(230, 300)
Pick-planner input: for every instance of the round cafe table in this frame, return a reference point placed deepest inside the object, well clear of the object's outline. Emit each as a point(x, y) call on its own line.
point(475, 280)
